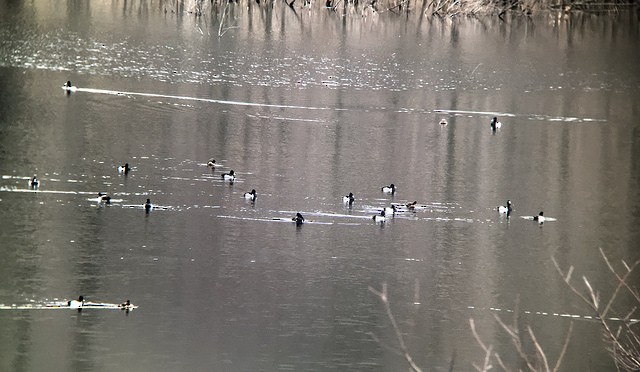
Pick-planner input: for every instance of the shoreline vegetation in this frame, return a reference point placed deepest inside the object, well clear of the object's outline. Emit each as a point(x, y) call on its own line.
point(439, 8)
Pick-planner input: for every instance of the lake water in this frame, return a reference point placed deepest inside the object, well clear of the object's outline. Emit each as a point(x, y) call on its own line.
point(306, 106)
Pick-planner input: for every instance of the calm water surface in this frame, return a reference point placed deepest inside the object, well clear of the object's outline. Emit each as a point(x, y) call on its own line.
point(306, 107)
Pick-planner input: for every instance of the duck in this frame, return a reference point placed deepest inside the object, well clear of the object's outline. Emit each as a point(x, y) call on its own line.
point(390, 210)
point(495, 124)
point(231, 176)
point(380, 217)
point(33, 182)
point(391, 189)
point(505, 209)
point(68, 86)
point(125, 305)
point(103, 198)
point(250, 195)
point(443, 122)
point(411, 205)
point(124, 168)
point(298, 219)
point(539, 217)
point(76, 304)
point(148, 206)
point(349, 199)
point(212, 163)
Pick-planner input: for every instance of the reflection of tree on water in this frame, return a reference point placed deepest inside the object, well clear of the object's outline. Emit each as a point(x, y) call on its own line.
point(429, 7)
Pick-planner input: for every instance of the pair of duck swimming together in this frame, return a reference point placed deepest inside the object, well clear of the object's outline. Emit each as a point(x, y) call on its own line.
point(231, 176)
point(508, 208)
point(80, 303)
point(494, 123)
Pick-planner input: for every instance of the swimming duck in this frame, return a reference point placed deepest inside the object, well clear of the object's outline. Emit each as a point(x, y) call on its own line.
point(380, 217)
point(349, 199)
point(124, 168)
point(391, 189)
point(125, 305)
point(505, 209)
point(103, 198)
point(148, 206)
point(298, 219)
point(495, 124)
point(231, 176)
point(250, 195)
point(76, 304)
point(390, 210)
point(443, 122)
point(68, 87)
point(33, 182)
point(212, 163)
point(411, 205)
point(539, 217)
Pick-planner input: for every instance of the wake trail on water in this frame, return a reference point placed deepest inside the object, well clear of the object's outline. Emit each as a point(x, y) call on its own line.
point(565, 119)
point(198, 99)
point(64, 305)
point(319, 108)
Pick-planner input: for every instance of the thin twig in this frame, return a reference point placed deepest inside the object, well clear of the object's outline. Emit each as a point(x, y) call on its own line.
point(385, 300)
point(564, 348)
point(515, 338)
point(538, 348)
point(487, 350)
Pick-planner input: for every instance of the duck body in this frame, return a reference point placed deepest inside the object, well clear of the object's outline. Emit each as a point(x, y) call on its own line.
point(298, 219)
point(148, 206)
point(127, 305)
point(231, 176)
point(540, 217)
point(250, 195)
point(349, 199)
point(392, 210)
point(380, 217)
point(33, 182)
point(103, 198)
point(495, 124)
point(76, 304)
point(391, 189)
point(212, 163)
point(506, 209)
point(124, 169)
point(443, 122)
point(69, 87)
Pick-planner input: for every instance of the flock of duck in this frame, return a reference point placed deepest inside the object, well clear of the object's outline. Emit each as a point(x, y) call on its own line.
point(299, 219)
point(381, 217)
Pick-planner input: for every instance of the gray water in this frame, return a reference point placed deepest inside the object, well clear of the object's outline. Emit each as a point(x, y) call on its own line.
point(307, 106)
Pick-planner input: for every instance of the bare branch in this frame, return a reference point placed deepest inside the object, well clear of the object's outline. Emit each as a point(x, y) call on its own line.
point(573, 289)
point(595, 298)
point(564, 348)
point(515, 338)
point(487, 350)
point(538, 348)
point(384, 298)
